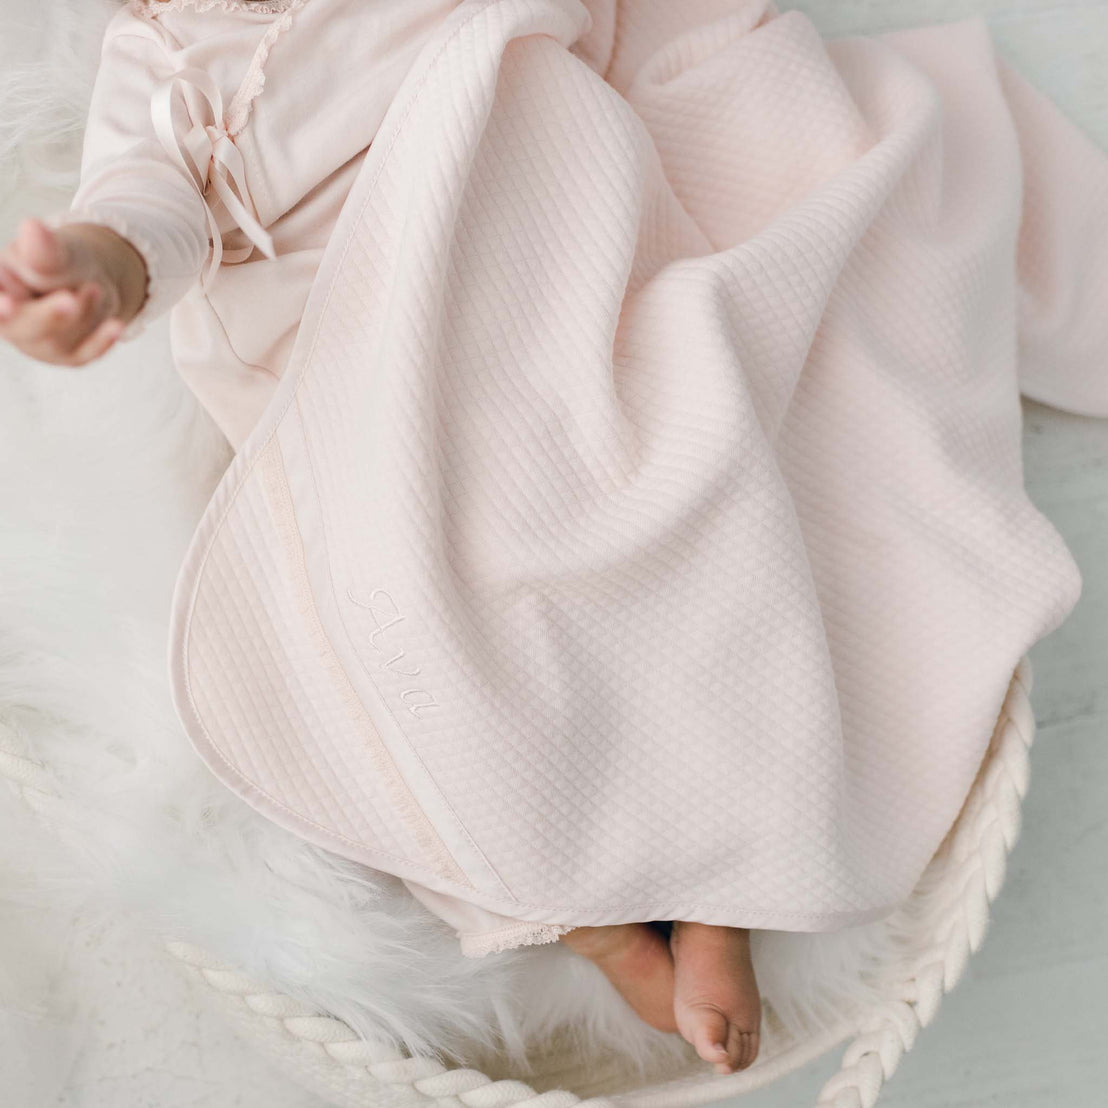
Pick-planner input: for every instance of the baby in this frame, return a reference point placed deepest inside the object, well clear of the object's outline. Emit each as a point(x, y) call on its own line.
point(213, 172)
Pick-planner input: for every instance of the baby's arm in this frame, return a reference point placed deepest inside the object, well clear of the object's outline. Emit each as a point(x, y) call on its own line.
point(136, 235)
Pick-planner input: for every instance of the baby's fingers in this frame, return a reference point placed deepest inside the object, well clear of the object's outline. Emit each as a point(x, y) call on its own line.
point(36, 322)
point(98, 343)
point(38, 255)
point(13, 291)
point(80, 324)
point(62, 327)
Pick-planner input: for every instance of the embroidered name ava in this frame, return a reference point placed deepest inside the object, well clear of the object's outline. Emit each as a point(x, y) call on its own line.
point(382, 606)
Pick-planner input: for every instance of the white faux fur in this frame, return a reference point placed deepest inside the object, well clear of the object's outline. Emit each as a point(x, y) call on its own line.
point(103, 474)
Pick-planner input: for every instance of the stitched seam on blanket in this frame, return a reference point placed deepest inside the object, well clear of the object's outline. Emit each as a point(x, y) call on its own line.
point(250, 787)
point(248, 470)
point(459, 825)
point(288, 530)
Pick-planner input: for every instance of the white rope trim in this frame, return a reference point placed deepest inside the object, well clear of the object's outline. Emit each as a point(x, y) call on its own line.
point(974, 857)
point(985, 832)
point(380, 1061)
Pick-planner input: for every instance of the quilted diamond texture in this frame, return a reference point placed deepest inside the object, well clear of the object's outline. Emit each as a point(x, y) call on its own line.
point(655, 461)
point(255, 689)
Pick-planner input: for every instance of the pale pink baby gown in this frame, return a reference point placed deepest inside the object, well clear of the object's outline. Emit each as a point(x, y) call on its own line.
point(294, 155)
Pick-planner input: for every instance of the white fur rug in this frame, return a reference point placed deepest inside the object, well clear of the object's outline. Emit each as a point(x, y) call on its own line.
point(103, 474)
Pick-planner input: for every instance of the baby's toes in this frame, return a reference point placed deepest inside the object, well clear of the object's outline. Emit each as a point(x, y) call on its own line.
point(707, 1028)
point(717, 1039)
point(742, 1047)
point(716, 1002)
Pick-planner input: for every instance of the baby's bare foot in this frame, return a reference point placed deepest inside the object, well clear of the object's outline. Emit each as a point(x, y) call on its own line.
point(636, 959)
point(716, 1002)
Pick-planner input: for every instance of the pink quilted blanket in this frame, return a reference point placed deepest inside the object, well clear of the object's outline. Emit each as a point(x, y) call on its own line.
point(639, 530)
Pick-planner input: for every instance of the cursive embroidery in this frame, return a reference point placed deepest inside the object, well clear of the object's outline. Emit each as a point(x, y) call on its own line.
point(386, 615)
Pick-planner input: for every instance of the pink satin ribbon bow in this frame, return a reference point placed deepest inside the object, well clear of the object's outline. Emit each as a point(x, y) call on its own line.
point(213, 162)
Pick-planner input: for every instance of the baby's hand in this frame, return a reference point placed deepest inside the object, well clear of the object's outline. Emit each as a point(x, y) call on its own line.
point(67, 295)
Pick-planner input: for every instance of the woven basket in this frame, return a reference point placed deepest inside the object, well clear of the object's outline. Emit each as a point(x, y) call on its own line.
point(944, 922)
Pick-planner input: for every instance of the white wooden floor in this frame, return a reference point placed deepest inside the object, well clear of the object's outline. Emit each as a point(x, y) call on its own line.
point(1028, 1025)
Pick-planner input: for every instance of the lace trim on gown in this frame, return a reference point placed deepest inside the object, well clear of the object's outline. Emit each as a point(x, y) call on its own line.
point(238, 111)
point(259, 7)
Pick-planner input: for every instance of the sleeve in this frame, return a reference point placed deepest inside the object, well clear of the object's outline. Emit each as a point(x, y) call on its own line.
point(128, 182)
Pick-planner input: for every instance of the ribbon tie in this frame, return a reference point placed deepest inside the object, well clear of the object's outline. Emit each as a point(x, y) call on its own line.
point(212, 161)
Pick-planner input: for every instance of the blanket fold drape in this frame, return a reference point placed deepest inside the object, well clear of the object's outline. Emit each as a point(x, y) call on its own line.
point(638, 531)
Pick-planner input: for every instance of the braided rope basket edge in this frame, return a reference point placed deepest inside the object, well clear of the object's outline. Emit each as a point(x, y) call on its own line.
point(947, 918)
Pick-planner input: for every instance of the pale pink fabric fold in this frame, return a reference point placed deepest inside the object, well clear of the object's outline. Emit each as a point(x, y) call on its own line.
point(638, 529)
